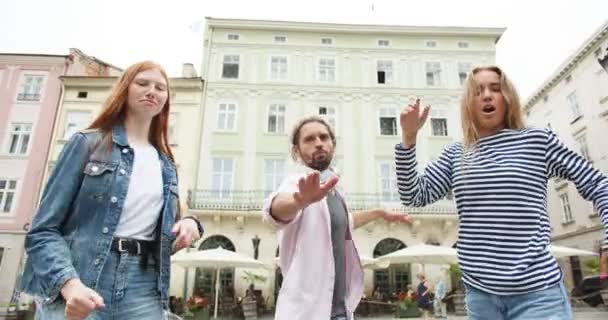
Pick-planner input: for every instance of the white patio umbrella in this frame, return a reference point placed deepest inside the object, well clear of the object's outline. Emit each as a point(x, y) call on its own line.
point(366, 262)
point(217, 259)
point(423, 254)
point(562, 252)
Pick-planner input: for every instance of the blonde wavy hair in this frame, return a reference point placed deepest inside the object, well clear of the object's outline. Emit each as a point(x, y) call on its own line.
point(514, 117)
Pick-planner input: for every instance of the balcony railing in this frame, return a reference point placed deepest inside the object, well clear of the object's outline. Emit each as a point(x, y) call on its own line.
point(251, 200)
point(28, 97)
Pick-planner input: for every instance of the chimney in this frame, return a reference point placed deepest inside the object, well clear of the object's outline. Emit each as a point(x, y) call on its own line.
point(188, 71)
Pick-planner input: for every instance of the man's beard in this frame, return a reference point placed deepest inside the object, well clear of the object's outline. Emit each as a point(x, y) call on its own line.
point(320, 164)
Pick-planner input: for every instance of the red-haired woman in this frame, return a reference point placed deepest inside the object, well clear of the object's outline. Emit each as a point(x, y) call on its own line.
point(100, 244)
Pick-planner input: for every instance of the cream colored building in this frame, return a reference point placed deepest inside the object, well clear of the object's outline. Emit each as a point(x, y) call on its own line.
point(573, 102)
point(261, 77)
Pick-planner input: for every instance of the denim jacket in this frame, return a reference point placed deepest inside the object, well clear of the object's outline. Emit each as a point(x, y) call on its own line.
point(72, 231)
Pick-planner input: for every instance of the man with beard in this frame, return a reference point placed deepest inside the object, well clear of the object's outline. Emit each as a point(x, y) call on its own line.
point(322, 274)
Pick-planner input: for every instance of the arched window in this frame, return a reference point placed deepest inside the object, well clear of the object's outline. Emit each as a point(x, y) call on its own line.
point(391, 281)
point(204, 281)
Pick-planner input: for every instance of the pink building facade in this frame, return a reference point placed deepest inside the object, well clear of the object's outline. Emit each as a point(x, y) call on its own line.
point(30, 91)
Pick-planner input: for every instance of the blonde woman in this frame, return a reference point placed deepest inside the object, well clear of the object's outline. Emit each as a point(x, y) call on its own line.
point(499, 178)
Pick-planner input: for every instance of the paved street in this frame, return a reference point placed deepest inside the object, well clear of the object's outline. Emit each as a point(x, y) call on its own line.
point(588, 315)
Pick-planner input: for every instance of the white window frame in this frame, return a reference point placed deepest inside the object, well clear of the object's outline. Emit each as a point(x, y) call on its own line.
point(233, 37)
point(279, 170)
point(383, 63)
point(276, 113)
point(83, 115)
point(276, 38)
point(392, 194)
point(21, 136)
point(7, 190)
point(327, 69)
point(463, 67)
point(386, 112)
point(331, 41)
point(383, 43)
point(583, 146)
point(239, 66)
point(566, 208)
point(575, 108)
point(278, 76)
point(437, 81)
point(41, 92)
point(226, 113)
point(330, 117)
point(172, 125)
point(222, 191)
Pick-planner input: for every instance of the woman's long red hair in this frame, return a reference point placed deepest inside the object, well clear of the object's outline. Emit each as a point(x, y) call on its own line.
point(115, 109)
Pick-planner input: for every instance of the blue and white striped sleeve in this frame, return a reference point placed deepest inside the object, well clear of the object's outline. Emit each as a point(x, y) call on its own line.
point(419, 190)
point(591, 184)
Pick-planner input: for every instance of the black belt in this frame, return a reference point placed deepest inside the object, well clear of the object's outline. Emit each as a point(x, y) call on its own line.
point(132, 246)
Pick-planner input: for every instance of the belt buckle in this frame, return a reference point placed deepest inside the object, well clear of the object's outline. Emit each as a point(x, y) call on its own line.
point(120, 249)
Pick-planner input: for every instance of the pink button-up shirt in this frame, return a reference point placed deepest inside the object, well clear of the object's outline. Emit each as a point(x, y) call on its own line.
point(307, 261)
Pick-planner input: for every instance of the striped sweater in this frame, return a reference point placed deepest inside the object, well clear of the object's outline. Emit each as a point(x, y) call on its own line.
point(500, 186)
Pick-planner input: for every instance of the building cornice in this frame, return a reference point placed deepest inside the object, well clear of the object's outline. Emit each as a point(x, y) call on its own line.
point(245, 24)
point(568, 65)
point(106, 82)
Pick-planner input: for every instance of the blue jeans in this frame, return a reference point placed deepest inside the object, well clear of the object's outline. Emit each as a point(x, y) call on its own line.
point(128, 291)
point(548, 304)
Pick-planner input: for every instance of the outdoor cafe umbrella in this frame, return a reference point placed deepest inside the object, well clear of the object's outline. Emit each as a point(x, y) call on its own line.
point(422, 254)
point(217, 259)
point(562, 252)
point(366, 262)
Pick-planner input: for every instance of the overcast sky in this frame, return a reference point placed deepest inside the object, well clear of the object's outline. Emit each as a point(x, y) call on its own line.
point(540, 34)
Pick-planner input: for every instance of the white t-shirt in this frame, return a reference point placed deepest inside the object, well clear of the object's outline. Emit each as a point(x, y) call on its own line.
point(144, 198)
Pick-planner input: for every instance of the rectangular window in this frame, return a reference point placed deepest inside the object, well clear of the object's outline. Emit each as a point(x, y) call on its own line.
point(278, 68)
point(383, 43)
point(230, 67)
point(329, 114)
point(221, 177)
point(327, 70)
point(574, 107)
point(276, 118)
point(274, 173)
point(327, 41)
point(20, 138)
point(233, 37)
point(74, 122)
point(83, 94)
point(463, 45)
point(388, 182)
point(30, 88)
point(388, 121)
point(431, 44)
point(433, 74)
point(582, 143)
point(7, 194)
point(226, 117)
point(566, 211)
point(440, 126)
point(463, 71)
point(385, 71)
point(280, 39)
